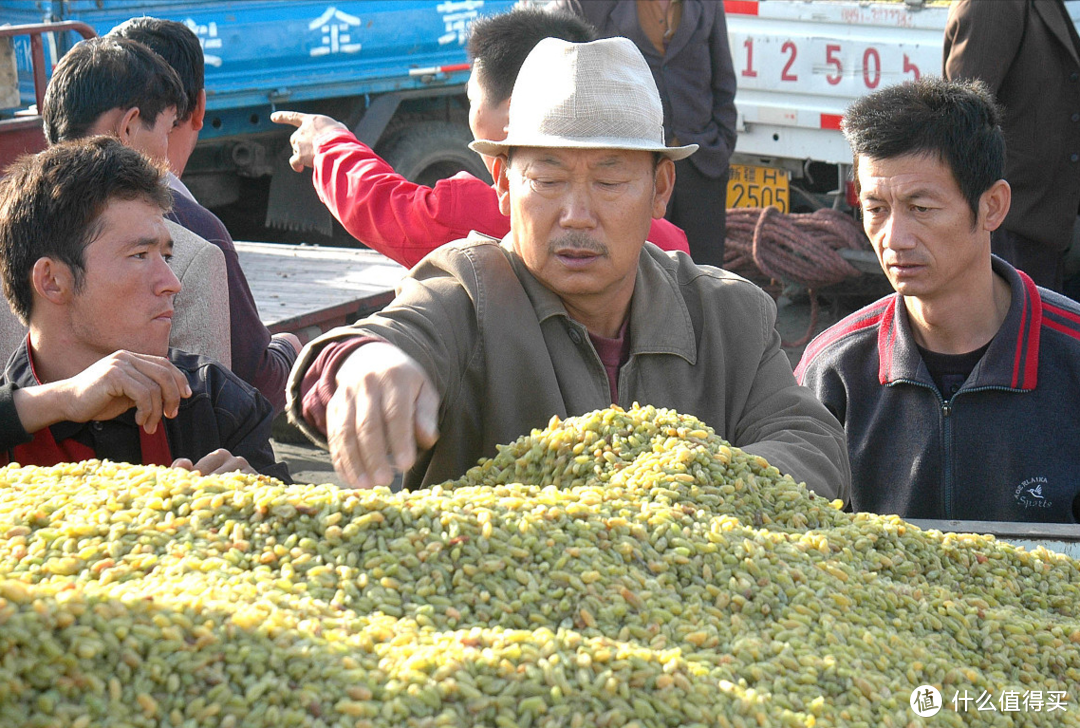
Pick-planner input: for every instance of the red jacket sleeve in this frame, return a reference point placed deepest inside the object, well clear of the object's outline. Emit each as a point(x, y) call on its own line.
point(402, 220)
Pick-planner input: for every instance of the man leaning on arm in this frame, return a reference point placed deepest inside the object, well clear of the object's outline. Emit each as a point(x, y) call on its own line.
point(571, 312)
point(84, 256)
point(119, 87)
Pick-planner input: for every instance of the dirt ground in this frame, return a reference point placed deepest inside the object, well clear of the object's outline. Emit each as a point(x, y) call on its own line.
point(310, 464)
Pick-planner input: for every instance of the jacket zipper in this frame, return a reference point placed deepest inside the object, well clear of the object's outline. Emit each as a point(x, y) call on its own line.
point(946, 415)
point(946, 411)
point(946, 428)
point(945, 408)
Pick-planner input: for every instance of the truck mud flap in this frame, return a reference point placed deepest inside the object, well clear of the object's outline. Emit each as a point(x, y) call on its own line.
point(293, 203)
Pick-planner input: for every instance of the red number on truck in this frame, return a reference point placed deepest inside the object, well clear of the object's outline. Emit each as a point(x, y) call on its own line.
point(786, 74)
point(831, 59)
point(749, 71)
point(869, 55)
point(910, 67)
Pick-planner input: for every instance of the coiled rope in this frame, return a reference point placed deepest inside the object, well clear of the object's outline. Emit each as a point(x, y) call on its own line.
point(773, 249)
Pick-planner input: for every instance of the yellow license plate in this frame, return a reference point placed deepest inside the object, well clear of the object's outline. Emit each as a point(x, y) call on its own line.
point(750, 186)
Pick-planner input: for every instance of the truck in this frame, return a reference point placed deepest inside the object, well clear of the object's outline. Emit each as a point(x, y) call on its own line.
point(393, 70)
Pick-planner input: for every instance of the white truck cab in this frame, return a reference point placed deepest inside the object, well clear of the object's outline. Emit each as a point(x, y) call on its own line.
point(799, 64)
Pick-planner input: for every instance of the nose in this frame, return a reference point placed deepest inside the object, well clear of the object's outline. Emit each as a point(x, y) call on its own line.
point(895, 233)
point(577, 209)
point(166, 282)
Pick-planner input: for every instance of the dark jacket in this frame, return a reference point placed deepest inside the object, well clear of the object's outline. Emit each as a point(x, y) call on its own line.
point(1003, 448)
point(696, 78)
point(222, 412)
point(1027, 54)
point(260, 361)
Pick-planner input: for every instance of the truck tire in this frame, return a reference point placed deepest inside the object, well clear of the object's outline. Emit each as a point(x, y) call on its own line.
point(433, 150)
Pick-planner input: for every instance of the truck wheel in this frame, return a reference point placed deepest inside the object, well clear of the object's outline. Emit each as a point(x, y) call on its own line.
point(433, 150)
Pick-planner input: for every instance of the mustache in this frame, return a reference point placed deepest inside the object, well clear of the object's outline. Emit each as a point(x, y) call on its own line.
point(577, 241)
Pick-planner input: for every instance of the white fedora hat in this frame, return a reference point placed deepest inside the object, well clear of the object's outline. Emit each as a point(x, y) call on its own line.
point(598, 95)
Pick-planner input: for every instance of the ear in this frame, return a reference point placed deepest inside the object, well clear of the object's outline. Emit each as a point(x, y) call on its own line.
point(126, 128)
point(663, 186)
point(499, 170)
point(53, 281)
point(994, 204)
point(199, 113)
point(504, 114)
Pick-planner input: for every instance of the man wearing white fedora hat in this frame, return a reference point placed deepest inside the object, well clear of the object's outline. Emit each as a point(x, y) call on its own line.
point(570, 312)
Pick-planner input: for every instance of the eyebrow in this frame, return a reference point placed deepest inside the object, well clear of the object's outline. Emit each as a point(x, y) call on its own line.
point(150, 242)
point(919, 193)
point(550, 160)
point(606, 162)
point(612, 161)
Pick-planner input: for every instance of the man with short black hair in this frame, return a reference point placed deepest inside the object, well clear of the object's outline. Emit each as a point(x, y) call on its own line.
point(406, 221)
point(259, 358)
point(179, 47)
point(120, 87)
point(84, 256)
point(957, 393)
point(572, 312)
point(113, 85)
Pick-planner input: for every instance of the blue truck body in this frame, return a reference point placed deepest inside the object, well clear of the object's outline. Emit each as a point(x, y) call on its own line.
point(357, 60)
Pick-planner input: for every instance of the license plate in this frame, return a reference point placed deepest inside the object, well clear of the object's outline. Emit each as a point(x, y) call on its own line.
point(750, 186)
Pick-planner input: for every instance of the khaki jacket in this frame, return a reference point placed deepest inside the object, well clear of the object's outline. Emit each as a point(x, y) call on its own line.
point(505, 357)
point(201, 324)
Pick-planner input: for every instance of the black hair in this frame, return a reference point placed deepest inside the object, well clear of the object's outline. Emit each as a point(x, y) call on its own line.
point(100, 74)
point(177, 44)
point(957, 122)
point(501, 43)
point(51, 204)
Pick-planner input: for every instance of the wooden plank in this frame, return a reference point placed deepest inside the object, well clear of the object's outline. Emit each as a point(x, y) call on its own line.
point(301, 288)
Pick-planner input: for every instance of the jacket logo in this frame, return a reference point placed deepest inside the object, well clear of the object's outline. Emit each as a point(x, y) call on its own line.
point(1029, 494)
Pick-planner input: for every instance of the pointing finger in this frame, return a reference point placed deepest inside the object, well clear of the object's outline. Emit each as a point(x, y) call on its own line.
point(295, 118)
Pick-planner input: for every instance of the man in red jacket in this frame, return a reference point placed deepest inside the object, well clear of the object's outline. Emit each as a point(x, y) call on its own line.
point(406, 221)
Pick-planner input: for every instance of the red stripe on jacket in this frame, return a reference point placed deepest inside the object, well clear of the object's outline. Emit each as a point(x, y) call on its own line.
point(1072, 330)
point(863, 319)
point(887, 339)
point(1027, 341)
